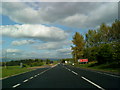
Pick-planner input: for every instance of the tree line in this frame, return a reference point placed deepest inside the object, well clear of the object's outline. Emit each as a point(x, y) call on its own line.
point(28, 62)
point(101, 45)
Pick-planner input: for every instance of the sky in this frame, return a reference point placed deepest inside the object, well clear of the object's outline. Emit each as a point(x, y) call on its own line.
point(45, 29)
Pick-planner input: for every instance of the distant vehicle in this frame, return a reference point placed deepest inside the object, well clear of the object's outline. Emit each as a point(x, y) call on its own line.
point(65, 61)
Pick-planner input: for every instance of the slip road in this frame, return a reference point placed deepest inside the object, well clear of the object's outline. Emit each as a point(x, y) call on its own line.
point(62, 76)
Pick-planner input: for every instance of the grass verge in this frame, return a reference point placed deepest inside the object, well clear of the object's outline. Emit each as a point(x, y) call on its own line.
point(108, 67)
point(12, 70)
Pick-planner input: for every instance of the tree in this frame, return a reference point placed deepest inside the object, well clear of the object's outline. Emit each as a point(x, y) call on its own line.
point(115, 31)
point(105, 53)
point(47, 61)
point(90, 38)
point(103, 33)
point(78, 42)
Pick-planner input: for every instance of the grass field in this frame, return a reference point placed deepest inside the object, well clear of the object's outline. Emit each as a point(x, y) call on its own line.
point(108, 67)
point(12, 70)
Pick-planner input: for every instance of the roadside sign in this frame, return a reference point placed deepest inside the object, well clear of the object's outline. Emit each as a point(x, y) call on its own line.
point(82, 60)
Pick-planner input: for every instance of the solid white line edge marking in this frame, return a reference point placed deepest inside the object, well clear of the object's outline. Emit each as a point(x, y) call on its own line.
point(92, 83)
point(16, 85)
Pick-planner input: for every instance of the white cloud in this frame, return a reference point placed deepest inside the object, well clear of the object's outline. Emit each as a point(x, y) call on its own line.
point(76, 14)
point(22, 42)
point(12, 50)
point(40, 32)
point(64, 50)
point(53, 45)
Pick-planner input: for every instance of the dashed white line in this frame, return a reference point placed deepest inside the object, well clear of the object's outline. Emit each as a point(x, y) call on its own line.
point(16, 85)
point(35, 75)
point(69, 70)
point(74, 73)
point(92, 83)
point(25, 80)
point(31, 77)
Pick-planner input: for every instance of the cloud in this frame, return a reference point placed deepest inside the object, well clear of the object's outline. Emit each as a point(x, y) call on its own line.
point(53, 45)
point(41, 32)
point(72, 14)
point(64, 50)
point(59, 53)
point(94, 17)
point(60, 1)
point(22, 42)
point(12, 50)
point(64, 53)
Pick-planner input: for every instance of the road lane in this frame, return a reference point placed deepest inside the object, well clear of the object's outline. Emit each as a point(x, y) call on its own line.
point(106, 81)
point(57, 77)
point(14, 80)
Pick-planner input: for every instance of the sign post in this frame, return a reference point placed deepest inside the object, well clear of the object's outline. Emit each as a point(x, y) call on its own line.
point(21, 65)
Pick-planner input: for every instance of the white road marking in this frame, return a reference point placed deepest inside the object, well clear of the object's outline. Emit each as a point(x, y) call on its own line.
point(31, 77)
point(16, 85)
point(92, 83)
point(69, 69)
point(112, 75)
point(35, 75)
point(74, 73)
point(43, 71)
point(25, 80)
point(100, 72)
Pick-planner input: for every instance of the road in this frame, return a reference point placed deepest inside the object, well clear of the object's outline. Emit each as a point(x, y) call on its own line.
point(62, 76)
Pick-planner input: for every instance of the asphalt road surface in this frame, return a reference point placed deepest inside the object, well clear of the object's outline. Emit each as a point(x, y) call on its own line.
point(63, 76)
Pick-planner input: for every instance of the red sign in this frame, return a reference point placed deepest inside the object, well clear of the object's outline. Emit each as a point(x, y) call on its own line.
point(82, 60)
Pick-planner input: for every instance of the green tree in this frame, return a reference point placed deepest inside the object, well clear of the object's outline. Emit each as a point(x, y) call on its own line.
point(115, 31)
point(47, 61)
point(91, 38)
point(103, 33)
point(105, 53)
point(78, 42)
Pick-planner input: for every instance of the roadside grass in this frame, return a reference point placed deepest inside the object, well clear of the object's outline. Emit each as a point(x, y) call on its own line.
point(55, 62)
point(0, 71)
point(12, 70)
point(108, 67)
